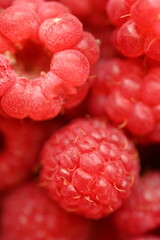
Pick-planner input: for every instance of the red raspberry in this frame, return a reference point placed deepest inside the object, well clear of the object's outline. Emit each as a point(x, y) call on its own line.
point(20, 143)
point(89, 167)
point(123, 90)
point(138, 30)
point(141, 212)
point(27, 213)
point(49, 59)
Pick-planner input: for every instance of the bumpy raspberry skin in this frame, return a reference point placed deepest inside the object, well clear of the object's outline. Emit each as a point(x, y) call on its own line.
point(141, 212)
point(123, 91)
point(28, 213)
point(138, 29)
point(89, 167)
point(47, 59)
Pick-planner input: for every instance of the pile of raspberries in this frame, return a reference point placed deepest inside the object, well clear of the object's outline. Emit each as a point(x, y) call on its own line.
point(80, 120)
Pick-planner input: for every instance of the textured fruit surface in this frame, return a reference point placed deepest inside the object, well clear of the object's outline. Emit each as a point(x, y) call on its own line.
point(128, 93)
point(89, 167)
point(28, 213)
point(45, 61)
point(138, 30)
point(141, 212)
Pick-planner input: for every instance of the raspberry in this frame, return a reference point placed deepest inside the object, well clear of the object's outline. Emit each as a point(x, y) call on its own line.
point(123, 91)
point(27, 213)
point(138, 26)
point(89, 167)
point(20, 143)
point(49, 59)
point(141, 211)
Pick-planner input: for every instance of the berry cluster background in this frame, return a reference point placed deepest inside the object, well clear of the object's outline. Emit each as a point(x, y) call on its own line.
point(79, 120)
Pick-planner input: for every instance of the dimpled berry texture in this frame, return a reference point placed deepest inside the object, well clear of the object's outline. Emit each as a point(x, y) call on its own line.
point(138, 30)
point(141, 212)
point(28, 213)
point(45, 61)
point(89, 167)
point(128, 93)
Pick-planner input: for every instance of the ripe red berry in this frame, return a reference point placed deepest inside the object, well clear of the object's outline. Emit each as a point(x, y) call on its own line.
point(138, 22)
point(45, 61)
point(123, 91)
point(89, 167)
point(28, 213)
point(141, 212)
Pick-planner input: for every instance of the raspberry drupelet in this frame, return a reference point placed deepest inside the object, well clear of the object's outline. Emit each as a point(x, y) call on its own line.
point(45, 62)
point(137, 27)
point(28, 213)
point(89, 167)
point(141, 212)
point(128, 93)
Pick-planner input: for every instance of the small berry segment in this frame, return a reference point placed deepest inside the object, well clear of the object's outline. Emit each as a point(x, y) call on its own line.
point(28, 213)
point(141, 212)
point(89, 167)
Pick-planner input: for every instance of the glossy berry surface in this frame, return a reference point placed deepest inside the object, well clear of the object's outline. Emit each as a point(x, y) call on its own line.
point(28, 213)
point(89, 167)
